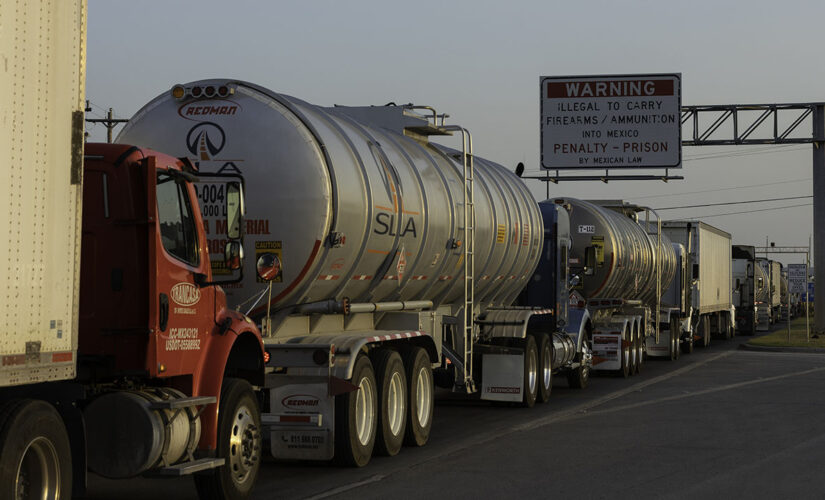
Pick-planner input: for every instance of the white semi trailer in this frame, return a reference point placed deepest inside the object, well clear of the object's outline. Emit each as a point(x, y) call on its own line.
point(709, 310)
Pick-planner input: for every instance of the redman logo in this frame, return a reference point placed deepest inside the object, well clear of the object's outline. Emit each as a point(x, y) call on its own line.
point(300, 401)
point(185, 294)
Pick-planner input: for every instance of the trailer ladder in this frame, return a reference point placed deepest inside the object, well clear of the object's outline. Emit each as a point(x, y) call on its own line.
point(468, 255)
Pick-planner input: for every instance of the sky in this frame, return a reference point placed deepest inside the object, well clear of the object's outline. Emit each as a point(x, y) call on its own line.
point(480, 61)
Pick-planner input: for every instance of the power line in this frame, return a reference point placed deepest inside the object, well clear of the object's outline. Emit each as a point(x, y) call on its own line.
point(722, 189)
point(752, 211)
point(731, 154)
point(735, 203)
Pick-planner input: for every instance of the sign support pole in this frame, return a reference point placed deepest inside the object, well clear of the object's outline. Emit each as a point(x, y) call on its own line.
point(819, 213)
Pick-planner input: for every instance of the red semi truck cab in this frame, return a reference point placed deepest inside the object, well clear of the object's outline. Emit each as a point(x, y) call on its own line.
point(156, 339)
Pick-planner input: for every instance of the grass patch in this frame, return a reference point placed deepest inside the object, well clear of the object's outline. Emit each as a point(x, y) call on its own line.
point(779, 337)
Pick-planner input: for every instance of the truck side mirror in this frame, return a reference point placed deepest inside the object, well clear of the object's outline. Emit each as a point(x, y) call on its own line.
point(233, 255)
point(268, 266)
point(234, 210)
point(589, 260)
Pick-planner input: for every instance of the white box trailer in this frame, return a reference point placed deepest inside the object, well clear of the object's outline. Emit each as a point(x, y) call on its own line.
point(709, 269)
point(42, 147)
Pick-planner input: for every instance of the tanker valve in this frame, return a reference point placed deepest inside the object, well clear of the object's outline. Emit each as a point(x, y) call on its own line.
point(453, 243)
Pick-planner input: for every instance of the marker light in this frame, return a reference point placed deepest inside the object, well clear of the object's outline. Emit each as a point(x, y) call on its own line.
point(223, 91)
point(178, 91)
point(197, 91)
point(209, 91)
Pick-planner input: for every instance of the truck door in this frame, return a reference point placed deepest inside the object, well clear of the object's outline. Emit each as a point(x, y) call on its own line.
point(182, 311)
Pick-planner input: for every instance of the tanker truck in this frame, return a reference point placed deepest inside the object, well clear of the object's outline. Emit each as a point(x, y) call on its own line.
point(118, 352)
point(392, 263)
point(619, 269)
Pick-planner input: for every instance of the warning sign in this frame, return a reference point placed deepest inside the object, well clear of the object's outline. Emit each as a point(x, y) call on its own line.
point(616, 121)
point(262, 247)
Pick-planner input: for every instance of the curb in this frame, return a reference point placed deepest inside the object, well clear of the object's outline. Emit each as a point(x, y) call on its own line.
point(749, 347)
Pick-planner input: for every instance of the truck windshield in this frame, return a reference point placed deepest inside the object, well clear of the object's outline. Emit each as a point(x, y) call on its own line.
point(177, 226)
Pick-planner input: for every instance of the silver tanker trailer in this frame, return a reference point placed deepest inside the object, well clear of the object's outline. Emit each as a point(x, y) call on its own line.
point(620, 267)
point(387, 256)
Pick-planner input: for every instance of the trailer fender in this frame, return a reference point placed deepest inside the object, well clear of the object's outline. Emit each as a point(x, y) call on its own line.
point(514, 323)
point(237, 352)
point(344, 348)
point(576, 327)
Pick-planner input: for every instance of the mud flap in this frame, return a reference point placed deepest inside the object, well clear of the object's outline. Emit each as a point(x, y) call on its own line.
point(502, 377)
point(301, 419)
point(606, 351)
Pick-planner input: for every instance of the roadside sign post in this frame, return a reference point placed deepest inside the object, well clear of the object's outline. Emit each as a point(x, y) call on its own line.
point(798, 283)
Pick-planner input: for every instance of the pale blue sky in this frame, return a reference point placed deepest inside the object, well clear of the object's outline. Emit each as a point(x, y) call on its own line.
point(480, 61)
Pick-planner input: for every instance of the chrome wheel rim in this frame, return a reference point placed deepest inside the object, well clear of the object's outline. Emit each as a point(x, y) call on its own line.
point(532, 372)
point(396, 403)
point(364, 411)
point(423, 397)
point(244, 445)
point(547, 367)
point(38, 473)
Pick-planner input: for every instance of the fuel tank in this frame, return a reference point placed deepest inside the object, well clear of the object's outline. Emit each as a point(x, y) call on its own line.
point(355, 201)
point(612, 253)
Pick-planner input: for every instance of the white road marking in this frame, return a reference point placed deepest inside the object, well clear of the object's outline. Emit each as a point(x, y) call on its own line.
point(347, 487)
point(583, 408)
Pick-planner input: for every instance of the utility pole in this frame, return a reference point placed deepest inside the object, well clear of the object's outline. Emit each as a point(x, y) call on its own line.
point(109, 122)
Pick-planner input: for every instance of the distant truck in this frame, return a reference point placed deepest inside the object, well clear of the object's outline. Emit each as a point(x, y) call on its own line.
point(118, 351)
point(748, 284)
point(710, 309)
point(770, 299)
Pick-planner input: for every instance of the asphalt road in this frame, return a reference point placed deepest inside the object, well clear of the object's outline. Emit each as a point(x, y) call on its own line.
point(719, 423)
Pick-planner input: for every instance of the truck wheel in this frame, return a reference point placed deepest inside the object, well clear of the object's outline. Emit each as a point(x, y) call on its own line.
point(634, 352)
point(640, 352)
point(355, 417)
point(239, 442)
point(392, 401)
point(705, 341)
point(531, 372)
point(579, 378)
point(420, 389)
point(545, 372)
point(624, 358)
point(35, 449)
point(687, 345)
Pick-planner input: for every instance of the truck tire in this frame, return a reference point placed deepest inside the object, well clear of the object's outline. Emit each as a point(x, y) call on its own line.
point(531, 372)
point(355, 417)
point(36, 454)
point(624, 359)
point(640, 352)
point(391, 381)
point(545, 369)
point(687, 345)
point(634, 350)
point(422, 396)
point(579, 378)
point(239, 442)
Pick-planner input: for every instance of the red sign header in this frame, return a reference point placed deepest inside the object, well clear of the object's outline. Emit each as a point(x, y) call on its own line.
point(611, 88)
